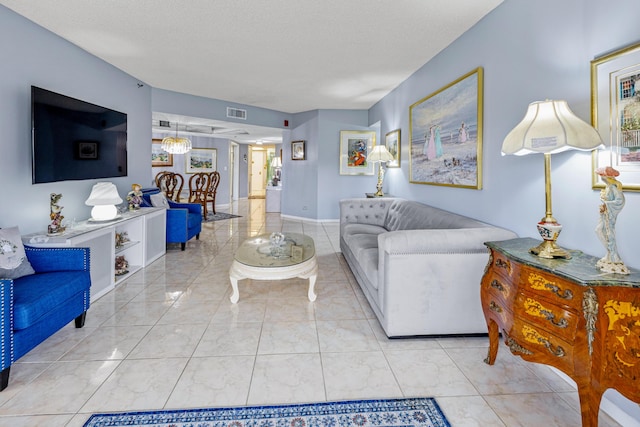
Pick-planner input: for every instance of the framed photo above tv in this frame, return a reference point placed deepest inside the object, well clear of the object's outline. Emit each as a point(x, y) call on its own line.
point(298, 151)
point(159, 157)
point(201, 160)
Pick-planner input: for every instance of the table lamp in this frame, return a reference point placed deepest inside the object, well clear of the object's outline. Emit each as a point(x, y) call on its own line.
point(276, 165)
point(550, 127)
point(379, 154)
point(104, 196)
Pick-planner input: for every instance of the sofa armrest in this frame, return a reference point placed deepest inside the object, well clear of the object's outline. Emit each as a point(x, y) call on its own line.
point(58, 259)
point(6, 323)
point(460, 240)
point(191, 207)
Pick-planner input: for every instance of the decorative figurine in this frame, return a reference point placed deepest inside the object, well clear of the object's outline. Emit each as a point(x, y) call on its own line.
point(56, 217)
point(134, 197)
point(122, 266)
point(612, 199)
point(122, 239)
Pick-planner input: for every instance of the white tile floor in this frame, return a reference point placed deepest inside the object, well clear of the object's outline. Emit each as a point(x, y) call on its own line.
point(169, 338)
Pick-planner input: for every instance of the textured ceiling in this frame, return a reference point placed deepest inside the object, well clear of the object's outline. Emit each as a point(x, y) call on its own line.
point(285, 55)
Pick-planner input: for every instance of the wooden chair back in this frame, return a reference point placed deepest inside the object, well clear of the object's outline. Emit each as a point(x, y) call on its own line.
point(171, 184)
point(198, 190)
point(214, 180)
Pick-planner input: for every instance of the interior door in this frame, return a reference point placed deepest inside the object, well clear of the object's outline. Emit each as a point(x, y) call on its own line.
point(258, 171)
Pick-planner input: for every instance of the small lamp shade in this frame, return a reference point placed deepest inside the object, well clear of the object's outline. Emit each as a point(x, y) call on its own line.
point(276, 162)
point(379, 154)
point(104, 196)
point(550, 127)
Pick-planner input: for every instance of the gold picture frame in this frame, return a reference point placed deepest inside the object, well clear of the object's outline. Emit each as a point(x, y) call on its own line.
point(615, 113)
point(159, 157)
point(392, 142)
point(201, 160)
point(445, 140)
point(355, 145)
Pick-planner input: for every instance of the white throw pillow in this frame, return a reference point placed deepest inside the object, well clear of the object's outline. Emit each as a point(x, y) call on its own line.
point(159, 200)
point(13, 260)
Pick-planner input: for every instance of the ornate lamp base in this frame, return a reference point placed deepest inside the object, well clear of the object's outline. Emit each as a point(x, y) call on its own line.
point(608, 266)
point(549, 231)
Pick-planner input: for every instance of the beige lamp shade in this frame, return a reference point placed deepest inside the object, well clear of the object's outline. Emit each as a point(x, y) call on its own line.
point(276, 162)
point(550, 127)
point(379, 154)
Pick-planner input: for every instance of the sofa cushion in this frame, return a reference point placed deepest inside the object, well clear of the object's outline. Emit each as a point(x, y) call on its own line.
point(159, 200)
point(36, 295)
point(13, 260)
point(362, 240)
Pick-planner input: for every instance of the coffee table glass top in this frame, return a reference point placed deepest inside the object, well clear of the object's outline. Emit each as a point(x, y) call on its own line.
point(259, 252)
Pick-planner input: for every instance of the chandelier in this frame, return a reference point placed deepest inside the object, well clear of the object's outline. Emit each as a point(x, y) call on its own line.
point(175, 145)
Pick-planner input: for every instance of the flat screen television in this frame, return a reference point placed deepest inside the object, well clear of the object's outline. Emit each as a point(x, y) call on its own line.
point(75, 140)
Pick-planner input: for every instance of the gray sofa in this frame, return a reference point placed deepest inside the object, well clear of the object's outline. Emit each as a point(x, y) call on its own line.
point(418, 266)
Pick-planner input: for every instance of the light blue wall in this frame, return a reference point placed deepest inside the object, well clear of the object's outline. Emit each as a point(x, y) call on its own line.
point(34, 56)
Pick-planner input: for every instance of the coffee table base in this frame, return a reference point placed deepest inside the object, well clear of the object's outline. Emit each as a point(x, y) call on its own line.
point(305, 270)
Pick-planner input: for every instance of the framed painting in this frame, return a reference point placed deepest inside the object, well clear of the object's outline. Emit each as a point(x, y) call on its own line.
point(201, 160)
point(392, 142)
point(298, 151)
point(445, 140)
point(615, 113)
point(355, 145)
point(159, 157)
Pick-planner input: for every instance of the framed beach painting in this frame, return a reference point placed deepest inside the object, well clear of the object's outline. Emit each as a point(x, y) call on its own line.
point(201, 160)
point(392, 142)
point(445, 140)
point(355, 145)
point(615, 113)
point(159, 157)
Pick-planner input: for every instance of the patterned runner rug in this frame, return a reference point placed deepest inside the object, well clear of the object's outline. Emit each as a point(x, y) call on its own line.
point(220, 216)
point(418, 412)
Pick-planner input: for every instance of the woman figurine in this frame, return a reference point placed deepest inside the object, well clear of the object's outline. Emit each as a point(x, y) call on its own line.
point(134, 197)
point(612, 199)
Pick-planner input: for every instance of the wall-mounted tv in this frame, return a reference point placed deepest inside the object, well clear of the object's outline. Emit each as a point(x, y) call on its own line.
point(75, 140)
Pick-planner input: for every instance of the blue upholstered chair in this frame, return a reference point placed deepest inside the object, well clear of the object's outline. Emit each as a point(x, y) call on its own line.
point(184, 220)
point(35, 306)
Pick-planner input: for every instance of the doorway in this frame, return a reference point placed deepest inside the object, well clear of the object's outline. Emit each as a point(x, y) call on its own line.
point(257, 172)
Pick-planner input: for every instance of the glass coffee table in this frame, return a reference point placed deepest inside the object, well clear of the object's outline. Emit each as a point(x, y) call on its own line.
point(257, 258)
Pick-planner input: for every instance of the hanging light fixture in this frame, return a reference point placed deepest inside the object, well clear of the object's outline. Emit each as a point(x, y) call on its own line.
point(176, 145)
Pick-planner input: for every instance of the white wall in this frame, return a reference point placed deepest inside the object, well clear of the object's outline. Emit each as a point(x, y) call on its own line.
point(34, 56)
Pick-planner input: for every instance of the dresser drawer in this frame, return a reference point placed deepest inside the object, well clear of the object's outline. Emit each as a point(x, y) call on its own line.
point(556, 320)
point(551, 288)
point(503, 266)
point(540, 345)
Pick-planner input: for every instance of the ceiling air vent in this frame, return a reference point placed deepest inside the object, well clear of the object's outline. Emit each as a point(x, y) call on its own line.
point(236, 113)
point(164, 124)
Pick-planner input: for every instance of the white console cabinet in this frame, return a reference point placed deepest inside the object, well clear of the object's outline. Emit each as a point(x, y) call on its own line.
point(146, 233)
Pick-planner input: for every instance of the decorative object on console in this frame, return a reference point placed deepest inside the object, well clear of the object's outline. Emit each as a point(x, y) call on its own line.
point(104, 196)
point(122, 265)
point(613, 201)
point(392, 142)
point(134, 197)
point(381, 155)
point(55, 215)
point(122, 238)
point(177, 145)
point(550, 127)
point(276, 164)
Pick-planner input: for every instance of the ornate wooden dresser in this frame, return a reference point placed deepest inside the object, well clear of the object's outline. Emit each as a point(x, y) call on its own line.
point(567, 314)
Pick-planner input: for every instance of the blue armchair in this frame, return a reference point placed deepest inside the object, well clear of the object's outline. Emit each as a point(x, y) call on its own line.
point(35, 306)
point(184, 220)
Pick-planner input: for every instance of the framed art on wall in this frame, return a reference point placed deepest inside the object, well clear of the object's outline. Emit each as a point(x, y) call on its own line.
point(445, 140)
point(392, 142)
point(201, 160)
point(298, 151)
point(615, 113)
point(159, 157)
point(355, 145)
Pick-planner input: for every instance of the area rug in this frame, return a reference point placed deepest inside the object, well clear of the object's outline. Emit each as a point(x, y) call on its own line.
point(220, 216)
point(418, 412)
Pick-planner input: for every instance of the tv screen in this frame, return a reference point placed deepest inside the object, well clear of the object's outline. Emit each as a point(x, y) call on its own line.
point(75, 140)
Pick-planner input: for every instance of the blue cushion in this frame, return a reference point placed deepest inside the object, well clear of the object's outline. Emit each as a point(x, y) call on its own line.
point(37, 295)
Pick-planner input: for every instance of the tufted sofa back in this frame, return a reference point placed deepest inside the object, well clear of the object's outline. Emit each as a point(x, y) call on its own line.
point(410, 215)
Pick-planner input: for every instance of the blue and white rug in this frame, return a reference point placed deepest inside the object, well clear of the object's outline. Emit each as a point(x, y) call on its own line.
point(418, 412)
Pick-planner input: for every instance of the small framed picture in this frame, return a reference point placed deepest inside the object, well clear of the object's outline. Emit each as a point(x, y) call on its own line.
point(87, 150)
point(355, 146)
point(298, 151)
point(392, 142)
point(159, 157)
